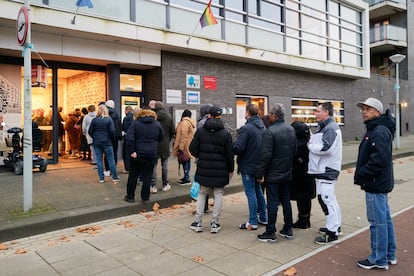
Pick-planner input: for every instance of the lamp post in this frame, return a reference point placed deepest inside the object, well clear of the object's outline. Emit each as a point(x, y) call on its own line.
point(397, 58)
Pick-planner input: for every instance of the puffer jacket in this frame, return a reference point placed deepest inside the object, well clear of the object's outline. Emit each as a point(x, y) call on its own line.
point(374, 170)
point(144, 134)
point(247, 145)
point(277, 152)
point(102, 131)
point(212, 145)
point(325, 151)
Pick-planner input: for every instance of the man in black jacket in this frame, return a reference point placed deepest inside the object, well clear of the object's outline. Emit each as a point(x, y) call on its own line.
point(274, 168)
point(374, 173)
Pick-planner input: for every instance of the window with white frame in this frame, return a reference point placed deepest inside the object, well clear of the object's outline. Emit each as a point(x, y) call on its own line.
point(303, 110)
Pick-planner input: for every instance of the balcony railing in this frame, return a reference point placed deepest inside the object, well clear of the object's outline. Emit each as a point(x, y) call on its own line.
point(388, 32)
point(375, 2)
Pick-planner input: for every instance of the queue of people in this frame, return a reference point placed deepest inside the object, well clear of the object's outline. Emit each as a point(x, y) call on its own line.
point(278, 162)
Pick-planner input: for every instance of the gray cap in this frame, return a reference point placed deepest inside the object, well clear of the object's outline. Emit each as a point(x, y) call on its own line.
point(372, 102)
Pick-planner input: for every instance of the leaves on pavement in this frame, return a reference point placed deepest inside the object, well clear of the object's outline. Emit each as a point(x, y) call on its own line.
point(290, 272)
point(88, 229)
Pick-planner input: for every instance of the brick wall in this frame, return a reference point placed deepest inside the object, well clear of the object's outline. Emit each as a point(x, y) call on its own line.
point(278, 84)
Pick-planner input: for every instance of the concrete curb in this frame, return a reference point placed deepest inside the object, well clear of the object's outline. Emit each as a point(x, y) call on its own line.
point(59, 220)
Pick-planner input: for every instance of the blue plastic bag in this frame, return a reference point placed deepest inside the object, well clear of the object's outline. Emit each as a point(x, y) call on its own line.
point(195, 188)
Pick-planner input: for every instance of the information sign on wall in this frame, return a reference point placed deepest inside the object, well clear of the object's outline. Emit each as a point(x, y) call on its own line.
point(193, 97)
point(210, 83)
point(193, 81)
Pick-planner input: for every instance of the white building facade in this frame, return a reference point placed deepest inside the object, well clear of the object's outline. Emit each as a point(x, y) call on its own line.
point(296, 52)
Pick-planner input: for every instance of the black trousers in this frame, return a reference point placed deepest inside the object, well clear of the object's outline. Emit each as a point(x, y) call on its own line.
point(140, 167)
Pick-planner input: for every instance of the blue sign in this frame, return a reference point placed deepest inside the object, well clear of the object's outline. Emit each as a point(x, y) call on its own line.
point(396, 87)
point(193, 97)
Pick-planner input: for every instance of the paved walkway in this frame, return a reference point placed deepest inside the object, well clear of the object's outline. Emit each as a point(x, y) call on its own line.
point(143, 242)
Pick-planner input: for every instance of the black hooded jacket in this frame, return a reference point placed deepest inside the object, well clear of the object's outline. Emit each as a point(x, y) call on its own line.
point(212, 145)
point(374, 170)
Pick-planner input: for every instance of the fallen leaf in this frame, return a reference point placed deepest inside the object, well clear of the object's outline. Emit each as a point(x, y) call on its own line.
point(128, 225)
point(156, 206)
point(21, 251)
point(88, 229)
point(290, 272)
point(52, 243)
point(64, 239)
point(198, 259)
point(3, 246)
point(148, 216)
point(350, 170)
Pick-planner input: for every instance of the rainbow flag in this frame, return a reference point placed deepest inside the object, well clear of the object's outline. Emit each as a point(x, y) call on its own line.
point(207, 18)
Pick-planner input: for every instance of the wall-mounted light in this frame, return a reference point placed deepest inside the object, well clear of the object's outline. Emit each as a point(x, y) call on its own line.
point(404, 104)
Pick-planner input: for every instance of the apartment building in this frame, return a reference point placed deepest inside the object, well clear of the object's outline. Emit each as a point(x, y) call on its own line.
point(391, 32)
point(296, 52)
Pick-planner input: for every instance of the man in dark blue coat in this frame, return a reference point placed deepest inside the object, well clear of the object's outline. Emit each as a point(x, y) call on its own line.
point(374, 173)
point(212, 145)
point(143, 137)
point(247, 149)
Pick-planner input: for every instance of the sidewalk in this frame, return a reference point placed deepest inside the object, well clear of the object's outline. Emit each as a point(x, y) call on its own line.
point(160, 242)
point(68, 194)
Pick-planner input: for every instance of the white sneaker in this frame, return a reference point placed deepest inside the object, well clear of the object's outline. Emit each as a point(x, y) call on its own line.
point(107, 173)
point(153, 189)
point(166, 187)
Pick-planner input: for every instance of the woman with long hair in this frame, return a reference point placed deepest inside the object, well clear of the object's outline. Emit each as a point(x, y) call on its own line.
point(102, 131)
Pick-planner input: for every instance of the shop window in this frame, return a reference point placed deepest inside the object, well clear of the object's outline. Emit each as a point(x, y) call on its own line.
point(304, 110)
point(242, 101)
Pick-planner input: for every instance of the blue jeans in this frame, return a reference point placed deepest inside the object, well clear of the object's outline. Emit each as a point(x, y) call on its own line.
point(109, 153)
point(381, 228)
point(276, 192)
point(255, 199)
point(186, 168)
point(164, 171)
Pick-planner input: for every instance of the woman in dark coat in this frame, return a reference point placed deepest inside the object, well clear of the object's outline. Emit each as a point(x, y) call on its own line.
point(213, 146)
point(303, 188)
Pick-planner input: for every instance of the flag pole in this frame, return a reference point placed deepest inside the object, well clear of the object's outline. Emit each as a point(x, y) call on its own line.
point(74, 17)
point(191, 35)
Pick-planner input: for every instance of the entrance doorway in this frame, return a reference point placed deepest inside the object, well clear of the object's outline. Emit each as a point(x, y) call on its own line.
point(64, 92)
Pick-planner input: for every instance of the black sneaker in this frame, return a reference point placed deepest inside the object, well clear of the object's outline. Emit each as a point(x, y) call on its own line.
point(265, 237)
point(128, 199)
point(366, 264)
point(196, 227)
point(215, 227)
point(327, 238)
point(323, 231)
point(287, 234)
point(184, 182)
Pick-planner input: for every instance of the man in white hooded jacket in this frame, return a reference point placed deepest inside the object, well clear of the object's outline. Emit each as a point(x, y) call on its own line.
point(325, 159)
